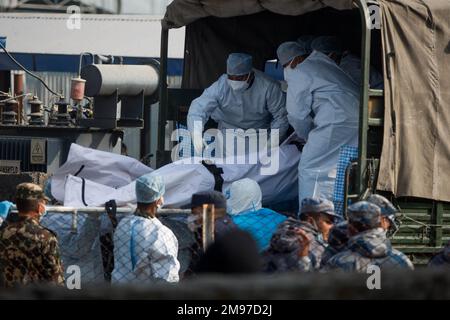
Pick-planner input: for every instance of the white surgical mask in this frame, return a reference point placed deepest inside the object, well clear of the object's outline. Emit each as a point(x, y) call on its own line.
point(238, 85)
point(287, 71)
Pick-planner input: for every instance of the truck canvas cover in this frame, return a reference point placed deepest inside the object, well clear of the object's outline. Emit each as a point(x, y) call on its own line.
point(416, 148)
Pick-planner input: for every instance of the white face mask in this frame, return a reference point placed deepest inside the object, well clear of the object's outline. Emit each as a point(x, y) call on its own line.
point(238, 85)
point(287, 71)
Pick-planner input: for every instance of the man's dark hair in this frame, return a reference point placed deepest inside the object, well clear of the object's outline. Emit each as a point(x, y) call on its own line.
point(26, 205)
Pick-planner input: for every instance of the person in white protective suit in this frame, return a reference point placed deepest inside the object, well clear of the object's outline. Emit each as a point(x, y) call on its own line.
point(322, 104)
point(244, 98)
point(145, 250)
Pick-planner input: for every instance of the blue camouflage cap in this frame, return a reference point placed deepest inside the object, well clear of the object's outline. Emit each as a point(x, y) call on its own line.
point(338, 236)
point(239, 64)
point(149, 188)
point(285, 238)
point(305, 41)
point(318, 205)
point(327, 44)
point(289, 50)
point(365, 213)
point(387, 208)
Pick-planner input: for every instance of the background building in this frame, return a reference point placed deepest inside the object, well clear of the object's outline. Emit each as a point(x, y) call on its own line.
point(153, 7)
point(38, 38)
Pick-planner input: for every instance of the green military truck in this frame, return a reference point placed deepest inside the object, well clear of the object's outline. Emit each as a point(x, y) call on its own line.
point(403, 151)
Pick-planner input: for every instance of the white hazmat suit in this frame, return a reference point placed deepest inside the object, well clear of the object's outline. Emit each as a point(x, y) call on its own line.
point(322, 104)
point(260, 106)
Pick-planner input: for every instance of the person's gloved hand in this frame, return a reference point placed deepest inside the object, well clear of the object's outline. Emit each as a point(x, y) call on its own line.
point(198, 145)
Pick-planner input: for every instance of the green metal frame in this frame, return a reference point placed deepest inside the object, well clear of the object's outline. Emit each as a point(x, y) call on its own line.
point(364, 98)
point(161, 154)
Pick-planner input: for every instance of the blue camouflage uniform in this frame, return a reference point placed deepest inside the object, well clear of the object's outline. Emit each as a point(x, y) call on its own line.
point(442, 259)
point(285, 246)
point(370, 247)
point(337, 241)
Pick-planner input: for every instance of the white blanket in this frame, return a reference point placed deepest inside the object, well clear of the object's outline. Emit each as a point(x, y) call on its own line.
point(109, 176)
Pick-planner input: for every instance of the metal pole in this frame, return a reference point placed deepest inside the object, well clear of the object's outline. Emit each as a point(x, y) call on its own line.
point(364, 98)
point(71, 210)
point(208, 225)
point(163, 98)
point(18, 92)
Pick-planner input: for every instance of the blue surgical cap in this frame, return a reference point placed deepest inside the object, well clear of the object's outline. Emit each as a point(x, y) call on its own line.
point(327, 44)
point(149, 188)
point(305, 41)
point(289, 50)
point(239, 64)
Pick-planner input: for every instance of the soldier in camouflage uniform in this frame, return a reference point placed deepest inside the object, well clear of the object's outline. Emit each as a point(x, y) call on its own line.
point(29, 253)
point(299, 245)
point(337, 241)
point(388, 214)
point(368, 244)
point(442, 259)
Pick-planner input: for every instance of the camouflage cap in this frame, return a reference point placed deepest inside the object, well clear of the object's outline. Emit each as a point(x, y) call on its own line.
point(387, 208)
point(285, 238)
point(318, 205)
point(365, 213)
point(30, 191)
point(338, 236)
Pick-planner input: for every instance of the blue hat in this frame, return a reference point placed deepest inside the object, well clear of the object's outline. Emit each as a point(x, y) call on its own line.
point(338, 236)
point(239, 64)
point(387, 210)
point(327, 44)
point(289, 50)
point(149, 188)
point(318, 205)
point(209, 197)
point(386, 207)
point(285, 237)
point(365, 213)
point(305, 41)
